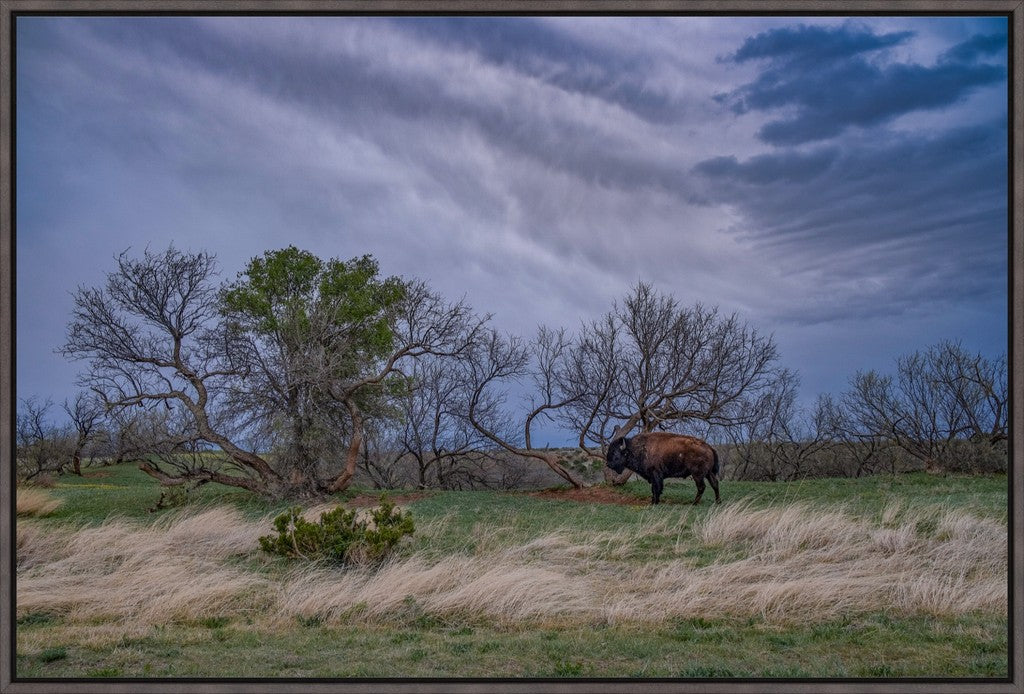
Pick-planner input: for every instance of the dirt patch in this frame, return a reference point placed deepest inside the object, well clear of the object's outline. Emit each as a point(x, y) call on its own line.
point(366, 500)
point(590, 495)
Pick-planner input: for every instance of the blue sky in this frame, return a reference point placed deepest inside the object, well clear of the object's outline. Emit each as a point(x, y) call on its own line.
point(840, 182)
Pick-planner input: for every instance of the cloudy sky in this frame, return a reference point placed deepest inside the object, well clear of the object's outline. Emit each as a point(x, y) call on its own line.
point(839, 182)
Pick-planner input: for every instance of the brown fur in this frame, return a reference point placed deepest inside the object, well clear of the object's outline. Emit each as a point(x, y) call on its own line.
point(657, 455)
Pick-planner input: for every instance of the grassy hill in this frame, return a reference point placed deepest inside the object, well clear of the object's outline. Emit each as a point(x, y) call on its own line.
point(875, 577)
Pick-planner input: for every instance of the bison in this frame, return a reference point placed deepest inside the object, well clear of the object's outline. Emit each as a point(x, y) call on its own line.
point(657, 455)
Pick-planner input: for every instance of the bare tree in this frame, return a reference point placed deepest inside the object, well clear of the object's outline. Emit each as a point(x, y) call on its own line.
point(493, 364)
point(150, 335)
point(760, 434)
point(861, 444)
point(978, 387)
point(167, 446)
point(678, 364)
point(423, 324)
point(647, 361)
point(129, 433)
point(589, 378)
point(652, 362)
point(86, 415)
point(383, 455)
point(939, 399)
point(42, 447)
point(802, 438)
point(433, 432)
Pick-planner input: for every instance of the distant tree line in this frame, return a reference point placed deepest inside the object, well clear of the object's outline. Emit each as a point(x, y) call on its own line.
point(943, 409)
point(301, 373)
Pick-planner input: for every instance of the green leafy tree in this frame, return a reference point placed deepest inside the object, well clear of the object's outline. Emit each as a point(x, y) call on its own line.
point(322, 344)
point(296, 351)
point(297, 323)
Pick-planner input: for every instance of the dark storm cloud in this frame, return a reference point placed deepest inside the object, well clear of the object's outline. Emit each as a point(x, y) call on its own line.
point(824, 75)
point(789, 167)
point(881, 178)
point(808, 46)
point(881, 220)
point(923, 216)
point(976, 47)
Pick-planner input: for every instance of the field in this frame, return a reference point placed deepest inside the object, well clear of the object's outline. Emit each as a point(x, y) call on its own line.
point(878, 577)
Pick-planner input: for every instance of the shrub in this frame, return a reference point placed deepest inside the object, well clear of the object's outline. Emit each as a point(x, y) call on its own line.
point(45, 481)
point(342, 536)
point(974, 456)
point(49, 655)
point(35, 619)
point(176, 496)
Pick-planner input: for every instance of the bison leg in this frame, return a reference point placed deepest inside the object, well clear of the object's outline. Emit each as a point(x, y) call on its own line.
point(657, 485)
point(700, 488)
point(713, 479)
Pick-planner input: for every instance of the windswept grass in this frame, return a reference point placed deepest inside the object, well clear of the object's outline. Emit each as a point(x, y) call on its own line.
point(140, 576)
point(32, 501)
point(885, 577)
point(796, 564)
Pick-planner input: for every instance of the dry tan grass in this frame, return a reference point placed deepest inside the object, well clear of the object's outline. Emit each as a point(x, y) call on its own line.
point(33, 501)
point(140, 576)
point(799, 564)
point(812, 563)
point(468, 587)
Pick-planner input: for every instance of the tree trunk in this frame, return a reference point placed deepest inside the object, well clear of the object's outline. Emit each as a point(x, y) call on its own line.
point(552, 461)
point(197, 408)
point(352, 458)
point(422, 472)
point(255, 486)
point(611, 477)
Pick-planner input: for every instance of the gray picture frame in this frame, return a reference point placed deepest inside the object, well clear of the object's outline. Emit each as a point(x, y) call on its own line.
point(9, 9)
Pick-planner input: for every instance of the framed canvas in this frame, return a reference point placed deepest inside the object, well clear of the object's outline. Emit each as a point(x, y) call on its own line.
point(511, 346)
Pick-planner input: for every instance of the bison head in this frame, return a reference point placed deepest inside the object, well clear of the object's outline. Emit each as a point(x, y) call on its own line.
point(618, 454)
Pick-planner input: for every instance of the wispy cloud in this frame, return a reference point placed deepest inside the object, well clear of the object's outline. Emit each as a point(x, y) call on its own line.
point(536, 165)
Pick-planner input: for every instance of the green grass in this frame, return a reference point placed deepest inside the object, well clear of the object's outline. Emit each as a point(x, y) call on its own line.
point(414, 644)
point(868, 647)
point(124, 491)
point(49, 655)
point(984, 495)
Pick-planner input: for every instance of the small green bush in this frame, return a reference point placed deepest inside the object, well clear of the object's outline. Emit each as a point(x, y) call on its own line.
point(32, 619)
point(48, 655)
point(341, 536)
